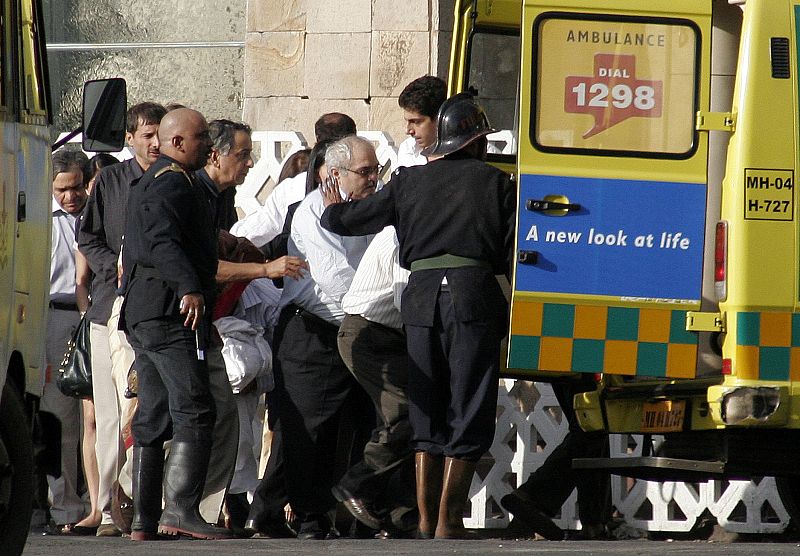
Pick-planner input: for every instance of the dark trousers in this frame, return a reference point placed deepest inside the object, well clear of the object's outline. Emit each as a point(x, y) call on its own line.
point(378, 358)
point(174, 397)
point(312, 385)
point(552, 483)
point(452, 383)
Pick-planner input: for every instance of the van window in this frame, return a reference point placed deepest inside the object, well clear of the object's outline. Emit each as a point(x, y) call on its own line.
point(493, 75)
point(32, 52)
point(615, 85)
point(4, 55)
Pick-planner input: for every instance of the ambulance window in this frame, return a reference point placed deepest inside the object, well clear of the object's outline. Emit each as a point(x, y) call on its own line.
point(493, 74)
point(615, 86)
point(32, 52)
point(4, 56)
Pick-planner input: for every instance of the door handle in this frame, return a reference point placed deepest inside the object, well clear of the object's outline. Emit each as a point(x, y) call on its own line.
point(542, 205)
point(528, 257)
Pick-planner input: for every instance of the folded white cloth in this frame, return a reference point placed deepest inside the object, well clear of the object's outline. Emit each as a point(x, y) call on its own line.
point(246, 353)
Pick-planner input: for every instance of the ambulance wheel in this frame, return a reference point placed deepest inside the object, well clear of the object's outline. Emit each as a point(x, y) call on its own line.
point(16, 474)
point(789, 491)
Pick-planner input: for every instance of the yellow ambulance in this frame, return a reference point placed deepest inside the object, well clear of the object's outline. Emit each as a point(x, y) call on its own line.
point(25, 221)
point(655, 148)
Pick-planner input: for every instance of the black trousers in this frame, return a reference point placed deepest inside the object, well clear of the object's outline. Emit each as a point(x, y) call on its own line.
point(378, 358)
point(452, 383)
point(174, 398)
point(552, 483)
point(312, 386)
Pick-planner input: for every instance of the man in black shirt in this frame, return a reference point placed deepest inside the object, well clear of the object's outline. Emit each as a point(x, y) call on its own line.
point(230, 161)
point(100, 239)
point(455, 224)
point(170, 262)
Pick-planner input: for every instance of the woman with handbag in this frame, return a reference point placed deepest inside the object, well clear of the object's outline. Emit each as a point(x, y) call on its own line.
point(83, 280)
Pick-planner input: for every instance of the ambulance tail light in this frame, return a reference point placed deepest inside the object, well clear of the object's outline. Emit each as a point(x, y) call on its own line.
point(721, 260)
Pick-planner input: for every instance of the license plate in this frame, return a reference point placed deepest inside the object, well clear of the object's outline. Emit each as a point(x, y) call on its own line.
point(664, 416)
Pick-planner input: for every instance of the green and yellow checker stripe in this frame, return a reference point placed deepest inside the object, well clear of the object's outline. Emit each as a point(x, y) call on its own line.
point(600, 339)
point(767, 346)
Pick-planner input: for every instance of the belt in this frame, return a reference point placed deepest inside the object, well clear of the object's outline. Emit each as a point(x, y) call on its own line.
point(311, 317)
point(446, 261)
point(58, 306)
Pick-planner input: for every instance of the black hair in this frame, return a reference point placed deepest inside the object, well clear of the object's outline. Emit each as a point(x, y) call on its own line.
point(334, 125)
point(65, 160)
point(100, 160)
point(315, 160)
point(147, 113)
point(223, 133)
point(424, 95)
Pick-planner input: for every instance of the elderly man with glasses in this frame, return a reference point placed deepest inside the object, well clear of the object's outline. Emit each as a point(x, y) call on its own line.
point(312, 384)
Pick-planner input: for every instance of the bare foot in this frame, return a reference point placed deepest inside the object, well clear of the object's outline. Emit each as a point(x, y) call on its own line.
point(91, 520)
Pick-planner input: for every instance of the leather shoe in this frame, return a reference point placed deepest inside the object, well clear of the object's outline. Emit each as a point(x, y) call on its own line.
point(108, 530)
point(526, 512)
point(121, 508)
point(269, 531)
point(356, 506)
point(313, 530)
point(77, 530)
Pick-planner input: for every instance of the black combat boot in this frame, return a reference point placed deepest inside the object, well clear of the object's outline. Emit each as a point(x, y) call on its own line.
point(148, 470)
point(183, 490)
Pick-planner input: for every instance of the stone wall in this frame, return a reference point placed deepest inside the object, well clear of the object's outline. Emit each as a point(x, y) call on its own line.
point(276, 64)
point(307, 57)
point(186, 51)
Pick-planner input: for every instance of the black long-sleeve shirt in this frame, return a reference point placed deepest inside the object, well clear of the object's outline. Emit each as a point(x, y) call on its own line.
point(101, 230)
point(170, 245)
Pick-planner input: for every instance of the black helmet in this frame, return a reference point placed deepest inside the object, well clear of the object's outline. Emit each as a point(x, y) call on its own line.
point(461, 121)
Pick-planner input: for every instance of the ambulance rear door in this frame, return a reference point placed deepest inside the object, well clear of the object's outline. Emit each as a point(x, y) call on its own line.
point(612, 186)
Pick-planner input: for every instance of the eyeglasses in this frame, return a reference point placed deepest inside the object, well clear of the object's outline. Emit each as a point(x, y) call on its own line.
point(368, 171)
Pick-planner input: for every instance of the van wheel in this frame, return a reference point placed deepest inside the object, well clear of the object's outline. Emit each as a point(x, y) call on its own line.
point(16, 473)
point(789, 491)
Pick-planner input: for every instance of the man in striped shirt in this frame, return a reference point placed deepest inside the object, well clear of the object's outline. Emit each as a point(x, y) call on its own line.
point(379, 490)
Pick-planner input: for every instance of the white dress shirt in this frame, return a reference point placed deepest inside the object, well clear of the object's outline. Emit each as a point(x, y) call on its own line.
point(62, 256)
point(264, 224)
point(332, 261)
point(379, 282)
point(409, 153)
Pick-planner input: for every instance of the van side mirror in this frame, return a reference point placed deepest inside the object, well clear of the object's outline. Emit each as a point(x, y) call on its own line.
point(104, 107)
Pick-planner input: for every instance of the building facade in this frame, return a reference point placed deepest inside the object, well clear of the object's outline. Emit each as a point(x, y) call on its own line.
point(276, 64)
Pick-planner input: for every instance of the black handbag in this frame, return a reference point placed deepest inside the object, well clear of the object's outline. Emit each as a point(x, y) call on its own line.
point(75, 373)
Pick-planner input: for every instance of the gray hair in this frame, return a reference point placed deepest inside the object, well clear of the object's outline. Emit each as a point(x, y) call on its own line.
point(68, 161)
point(340, 153)
point(223, 134)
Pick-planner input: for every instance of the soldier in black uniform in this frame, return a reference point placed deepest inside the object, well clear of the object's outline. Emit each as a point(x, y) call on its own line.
point(454, 219)
point(170, 261)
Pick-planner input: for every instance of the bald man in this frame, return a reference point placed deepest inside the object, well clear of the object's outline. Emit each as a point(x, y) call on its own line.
point(170, 261)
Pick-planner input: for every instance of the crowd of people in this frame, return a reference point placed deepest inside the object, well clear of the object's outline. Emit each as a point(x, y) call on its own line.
point(365, 311)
